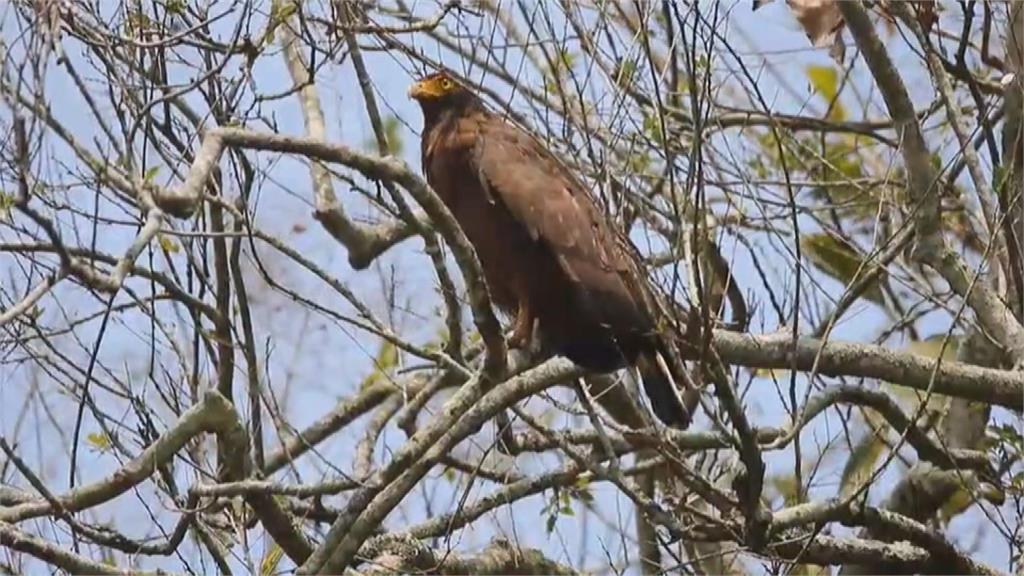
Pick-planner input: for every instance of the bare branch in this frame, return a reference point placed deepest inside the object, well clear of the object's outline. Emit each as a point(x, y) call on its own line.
point(15, 539)
point(389, 169)
point(923, 189)
point(364, 244)
point(1000, 387)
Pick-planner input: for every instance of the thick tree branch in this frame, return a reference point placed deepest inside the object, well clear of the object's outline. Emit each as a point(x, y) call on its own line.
point(896, 526)
point(25, 304)
point(999, 387)
point(500, 557)
point(927, 448)
point(461, 415)
point(214, 414)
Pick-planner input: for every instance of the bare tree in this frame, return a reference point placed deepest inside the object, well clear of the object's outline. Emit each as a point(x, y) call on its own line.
point(240, 333)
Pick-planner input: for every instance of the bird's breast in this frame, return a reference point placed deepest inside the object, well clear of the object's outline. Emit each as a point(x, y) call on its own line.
point(508, 255)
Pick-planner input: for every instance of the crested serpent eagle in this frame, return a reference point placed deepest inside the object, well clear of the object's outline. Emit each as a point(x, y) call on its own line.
point(547, 251)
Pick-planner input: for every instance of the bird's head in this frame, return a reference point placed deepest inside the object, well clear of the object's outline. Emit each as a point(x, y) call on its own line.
point(439, 91)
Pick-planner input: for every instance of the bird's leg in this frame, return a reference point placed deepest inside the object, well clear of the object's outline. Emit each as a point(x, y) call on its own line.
point(519, 340)
point(523, 329)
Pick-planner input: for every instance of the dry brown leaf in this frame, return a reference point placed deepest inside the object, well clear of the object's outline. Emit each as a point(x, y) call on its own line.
point(923, 11)
point(838, 50)
point(820, 19)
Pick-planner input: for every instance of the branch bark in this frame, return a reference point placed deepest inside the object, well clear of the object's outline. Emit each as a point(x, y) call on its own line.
point(363, 243)
point(461, 415)
point(999, 387)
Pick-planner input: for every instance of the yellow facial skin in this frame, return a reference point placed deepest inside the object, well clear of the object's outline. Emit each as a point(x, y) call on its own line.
point(431, 87)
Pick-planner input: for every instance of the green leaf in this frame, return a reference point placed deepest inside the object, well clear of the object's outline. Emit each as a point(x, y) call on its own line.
point(861, 464)
point(955, 505)
point(638, 163)
point(932, 345)
point(1017, 483)
point(280, 11)
point(567, 59)
point(625, 73)
point(583, 495)
point(780, 374)
point(7, 202)
point(270, 561)
point(168, 244)
point(652, 127)
point(844, 163)
point(393, 132)
point(966, 494)
point(840, 260)
point(387, 358)
point(825, 80)
point(992, 493)
point(176, 7)
point(1009, 435)
point(1001, 176)
point(785, 485)
point(151, 174)
point(137, 21)
point(392, 135)
point(98, 441)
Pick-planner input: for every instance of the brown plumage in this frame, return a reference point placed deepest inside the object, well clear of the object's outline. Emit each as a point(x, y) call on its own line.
point(547, 251)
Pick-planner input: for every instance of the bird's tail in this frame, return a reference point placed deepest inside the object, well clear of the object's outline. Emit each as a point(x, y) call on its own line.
point(671, 405)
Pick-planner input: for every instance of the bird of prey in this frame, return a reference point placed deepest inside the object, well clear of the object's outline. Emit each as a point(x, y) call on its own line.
point(549, 255)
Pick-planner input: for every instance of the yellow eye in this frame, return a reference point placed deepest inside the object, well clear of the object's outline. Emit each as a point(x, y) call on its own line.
point(446, 84)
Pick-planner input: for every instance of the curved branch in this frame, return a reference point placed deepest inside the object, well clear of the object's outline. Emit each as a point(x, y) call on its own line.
point(460, 417)
point(927, 448)
point(364, 243)
point(899, 527)
point(999, 387)
point(375, 167)
point(15, 539)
